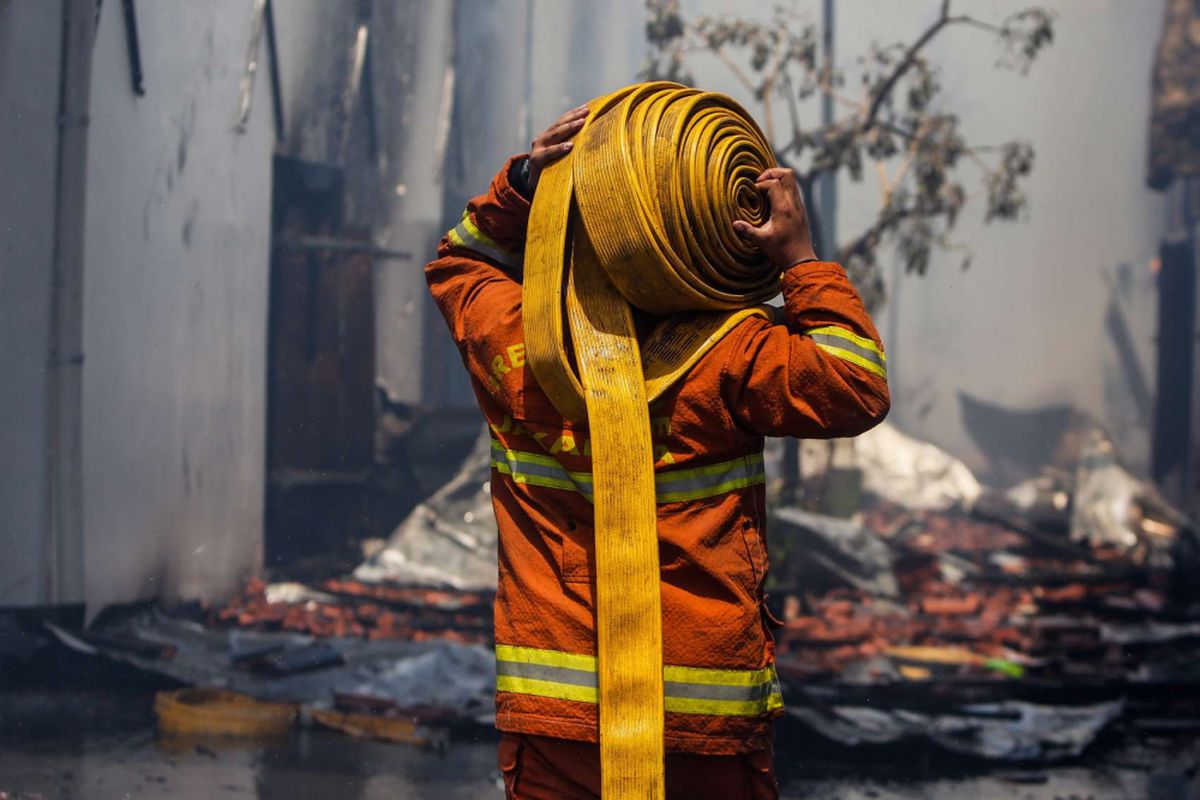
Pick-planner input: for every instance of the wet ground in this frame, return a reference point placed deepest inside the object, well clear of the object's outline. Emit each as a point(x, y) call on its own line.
point(101, 745)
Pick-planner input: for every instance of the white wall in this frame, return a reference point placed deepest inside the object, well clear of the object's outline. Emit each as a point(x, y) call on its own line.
point(177, 231)
point(412, 58)
point(520, 65)
point(30, 35)
point(1025, 325)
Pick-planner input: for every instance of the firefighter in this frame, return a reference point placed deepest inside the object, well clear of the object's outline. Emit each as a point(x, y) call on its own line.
point(819, 371)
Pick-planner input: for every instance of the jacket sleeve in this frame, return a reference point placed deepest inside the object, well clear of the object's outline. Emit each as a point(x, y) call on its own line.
point(475, 280)
point(820, 374)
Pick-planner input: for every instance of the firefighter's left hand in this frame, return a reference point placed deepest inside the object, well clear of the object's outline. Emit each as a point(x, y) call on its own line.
point(554, 142)
point(785, 239)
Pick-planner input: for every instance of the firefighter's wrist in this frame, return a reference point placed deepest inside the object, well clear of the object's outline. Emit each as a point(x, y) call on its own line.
point(796, 254)
point(520, 179)
point(807, 262)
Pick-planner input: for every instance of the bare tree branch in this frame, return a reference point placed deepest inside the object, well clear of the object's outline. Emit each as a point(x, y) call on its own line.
point(910, 57)
point(916, 152)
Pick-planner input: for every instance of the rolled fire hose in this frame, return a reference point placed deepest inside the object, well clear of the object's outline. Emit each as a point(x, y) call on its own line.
point(640, 213)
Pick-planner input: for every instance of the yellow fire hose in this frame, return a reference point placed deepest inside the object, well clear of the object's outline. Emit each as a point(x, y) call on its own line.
point(639, 213)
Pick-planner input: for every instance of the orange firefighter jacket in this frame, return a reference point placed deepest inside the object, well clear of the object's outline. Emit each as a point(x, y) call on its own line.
point(818, 373)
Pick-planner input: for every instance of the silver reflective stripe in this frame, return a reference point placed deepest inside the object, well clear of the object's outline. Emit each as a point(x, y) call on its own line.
point(542, 672)
point(702, 691)
point(842, 343)
point(692, 484)
point(528, 469)
point(539, 470)
point(755, 692)
point(671, 486)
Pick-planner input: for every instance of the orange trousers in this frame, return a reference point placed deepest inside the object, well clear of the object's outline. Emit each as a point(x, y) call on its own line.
point(542, 768)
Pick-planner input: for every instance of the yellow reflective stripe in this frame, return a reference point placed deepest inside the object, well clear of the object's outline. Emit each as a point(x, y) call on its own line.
point(559, 478)
point(854, 358)
point(534, 480)
point(510, 462)
point(682, 683)
point(719, 677)
point(723, 708)
point(546, 658)
point(711, 469)
point(678, 705)
point(479, 235)
point(467, 234)
point(662, 497)
point(861, 341)
point(559, 691)
point(533, 458)
point(711, 491)
point(587, 663)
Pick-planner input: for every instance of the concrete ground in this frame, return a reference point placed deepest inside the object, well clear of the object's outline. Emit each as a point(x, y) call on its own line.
point(102, 746)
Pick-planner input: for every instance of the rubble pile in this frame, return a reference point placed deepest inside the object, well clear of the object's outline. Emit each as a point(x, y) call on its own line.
point(350, 608)
point(947, 610)
point(1042, 601)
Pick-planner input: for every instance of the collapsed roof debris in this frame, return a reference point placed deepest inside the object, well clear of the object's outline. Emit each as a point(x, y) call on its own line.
point(1017, 631)
point(432, 681)
point(450, 539)
point(1008, 730)
point(902, 470)
point(349, 608)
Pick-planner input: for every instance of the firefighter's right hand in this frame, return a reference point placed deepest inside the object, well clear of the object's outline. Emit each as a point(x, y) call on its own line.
point(554, 142)
point(785, 238)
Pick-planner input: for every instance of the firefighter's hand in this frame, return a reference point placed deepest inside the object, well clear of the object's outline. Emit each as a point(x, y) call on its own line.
point(785, 238)
point(554, 143)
